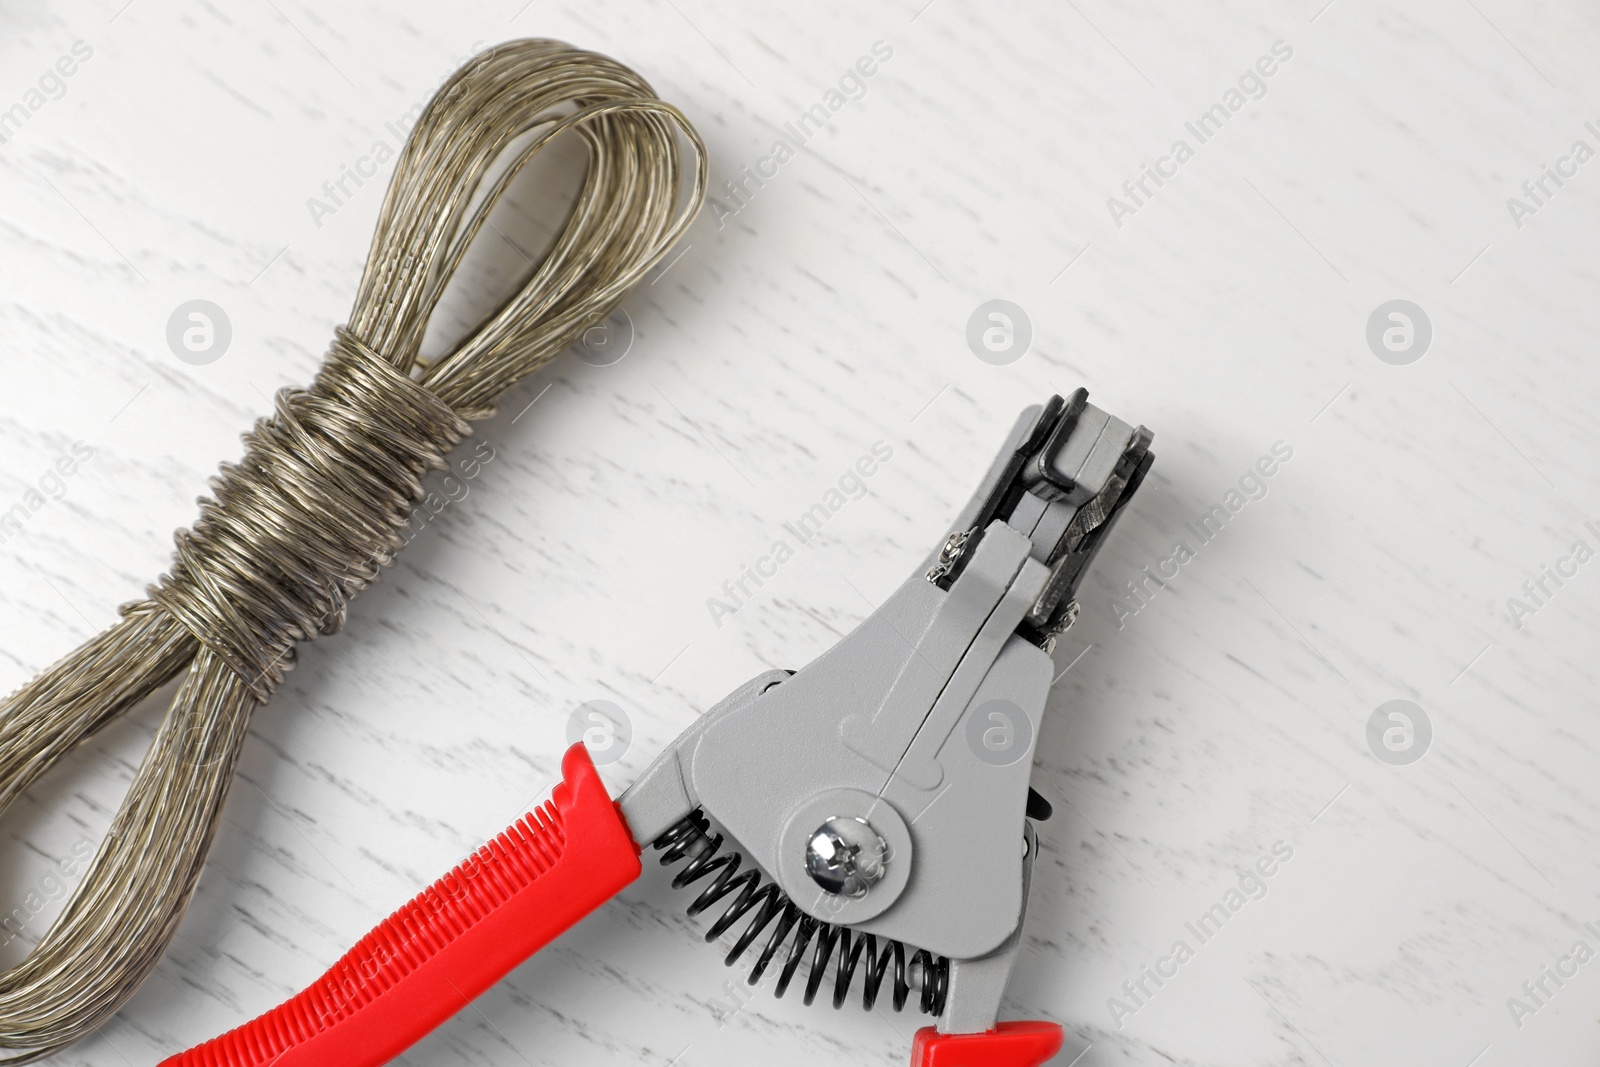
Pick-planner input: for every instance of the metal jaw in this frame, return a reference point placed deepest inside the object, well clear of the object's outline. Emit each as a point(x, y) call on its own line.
point(922, 721)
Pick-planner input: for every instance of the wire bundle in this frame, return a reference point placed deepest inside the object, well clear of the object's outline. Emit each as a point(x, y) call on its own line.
point(317, 505)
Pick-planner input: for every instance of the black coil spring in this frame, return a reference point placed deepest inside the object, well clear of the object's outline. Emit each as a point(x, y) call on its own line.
point(691, 839)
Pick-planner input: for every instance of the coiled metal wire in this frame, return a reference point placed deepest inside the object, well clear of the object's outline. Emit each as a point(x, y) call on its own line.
point(318, 503)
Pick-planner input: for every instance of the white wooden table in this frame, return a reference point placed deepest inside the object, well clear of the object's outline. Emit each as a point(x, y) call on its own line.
point(1227, 308)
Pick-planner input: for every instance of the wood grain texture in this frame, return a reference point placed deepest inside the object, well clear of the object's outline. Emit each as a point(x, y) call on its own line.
point(1227, 313)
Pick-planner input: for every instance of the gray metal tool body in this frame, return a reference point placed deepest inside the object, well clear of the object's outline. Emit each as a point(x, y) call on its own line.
point(885, 786)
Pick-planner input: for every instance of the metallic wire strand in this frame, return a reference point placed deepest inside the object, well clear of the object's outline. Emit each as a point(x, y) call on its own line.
point(317, 505)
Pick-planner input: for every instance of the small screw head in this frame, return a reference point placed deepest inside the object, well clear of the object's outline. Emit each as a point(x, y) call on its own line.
point(846, 857)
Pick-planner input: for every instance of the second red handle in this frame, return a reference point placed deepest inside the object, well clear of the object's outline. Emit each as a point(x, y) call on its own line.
point(456, 939)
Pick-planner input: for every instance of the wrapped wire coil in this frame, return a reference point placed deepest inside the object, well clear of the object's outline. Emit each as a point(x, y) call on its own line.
point(319, 502)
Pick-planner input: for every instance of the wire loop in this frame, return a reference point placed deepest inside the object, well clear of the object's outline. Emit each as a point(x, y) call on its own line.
point(315, 508)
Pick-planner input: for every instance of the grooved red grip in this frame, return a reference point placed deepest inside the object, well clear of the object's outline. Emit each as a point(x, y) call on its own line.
point(456, 939)
point(1015, 1044)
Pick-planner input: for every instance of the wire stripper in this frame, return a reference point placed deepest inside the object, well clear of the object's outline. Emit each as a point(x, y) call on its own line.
point(879, 799)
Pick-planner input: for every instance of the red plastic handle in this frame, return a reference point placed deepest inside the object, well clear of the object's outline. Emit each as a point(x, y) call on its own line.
point(460, 936)
point(1015, 1044)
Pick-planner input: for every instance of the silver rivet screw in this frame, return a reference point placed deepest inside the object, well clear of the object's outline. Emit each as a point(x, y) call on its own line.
point(846, 857)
